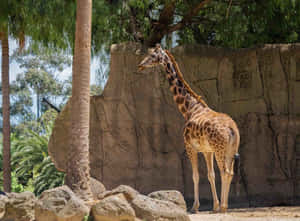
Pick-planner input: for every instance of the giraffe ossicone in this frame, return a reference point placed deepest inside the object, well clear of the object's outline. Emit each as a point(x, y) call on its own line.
point(212, 133)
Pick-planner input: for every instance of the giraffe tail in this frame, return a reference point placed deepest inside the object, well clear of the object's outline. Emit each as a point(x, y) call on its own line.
point(236, 168)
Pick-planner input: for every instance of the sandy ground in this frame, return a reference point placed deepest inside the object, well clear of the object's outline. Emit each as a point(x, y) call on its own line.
point(251, 214)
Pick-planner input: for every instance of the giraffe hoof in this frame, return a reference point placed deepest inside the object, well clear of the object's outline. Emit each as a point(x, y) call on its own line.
point(216, 209)
point(223, 209)
point(195, 209)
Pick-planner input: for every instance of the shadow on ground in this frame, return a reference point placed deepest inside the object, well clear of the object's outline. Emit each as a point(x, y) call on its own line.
point(251, 214)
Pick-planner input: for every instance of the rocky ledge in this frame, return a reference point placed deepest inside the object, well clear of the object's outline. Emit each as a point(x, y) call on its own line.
point(120, 204)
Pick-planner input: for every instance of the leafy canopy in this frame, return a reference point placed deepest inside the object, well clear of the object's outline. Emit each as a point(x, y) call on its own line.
point(230, 23)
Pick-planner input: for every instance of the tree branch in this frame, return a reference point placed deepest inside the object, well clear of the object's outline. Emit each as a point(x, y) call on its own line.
point(165, 19)
point(134, 26)
point(228, 9)
point(188, 17)
point(166, 15)
point(51, 105)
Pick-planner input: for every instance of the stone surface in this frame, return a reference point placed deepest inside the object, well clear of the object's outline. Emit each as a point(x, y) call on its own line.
point(252, 214)
point(136, 129)
point(147, 208)
point(60, 204)
point(169, 195)
point(3, 201)
point(113, 208)
point(97, 187)
point(20, 207)
point(128, 192)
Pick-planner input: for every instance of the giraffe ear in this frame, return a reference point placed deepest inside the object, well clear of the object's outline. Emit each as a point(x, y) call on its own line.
point(157, 46)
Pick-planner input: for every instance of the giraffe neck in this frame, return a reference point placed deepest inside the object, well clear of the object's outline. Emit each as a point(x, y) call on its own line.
point(182, 95)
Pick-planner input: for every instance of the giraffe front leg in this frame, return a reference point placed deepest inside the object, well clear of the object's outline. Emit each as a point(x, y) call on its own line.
point(193, 156)
point(196, 204)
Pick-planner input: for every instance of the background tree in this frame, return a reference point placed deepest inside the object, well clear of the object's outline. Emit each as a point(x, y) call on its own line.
point(32, 168)
point(230, 23)
point(78, 169)
point(40, 78)
point(41, 75)
point(12, 22)
point(30, 159)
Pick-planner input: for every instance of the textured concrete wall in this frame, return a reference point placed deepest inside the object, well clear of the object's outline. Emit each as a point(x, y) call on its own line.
point(136, 129)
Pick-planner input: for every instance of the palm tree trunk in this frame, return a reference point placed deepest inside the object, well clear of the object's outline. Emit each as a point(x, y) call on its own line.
point(78, 169)
point(6, 121)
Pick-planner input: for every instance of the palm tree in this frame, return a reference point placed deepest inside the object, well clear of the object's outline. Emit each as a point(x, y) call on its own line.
point(78, 169)
point(6, 118)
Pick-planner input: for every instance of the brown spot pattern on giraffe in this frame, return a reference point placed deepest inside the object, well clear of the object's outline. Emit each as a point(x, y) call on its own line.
point(179, 99)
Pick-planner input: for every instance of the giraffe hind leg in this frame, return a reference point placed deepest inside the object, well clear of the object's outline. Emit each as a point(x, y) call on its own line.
point(226, 171)
point(226, 181)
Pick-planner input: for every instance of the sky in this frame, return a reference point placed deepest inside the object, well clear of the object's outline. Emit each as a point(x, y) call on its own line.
point(65, 74)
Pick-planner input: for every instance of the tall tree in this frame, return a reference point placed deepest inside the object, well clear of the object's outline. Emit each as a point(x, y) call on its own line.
point(11, 23)
point(42, 67)
point(234, 23)
point(78, 169)
point(6, 118)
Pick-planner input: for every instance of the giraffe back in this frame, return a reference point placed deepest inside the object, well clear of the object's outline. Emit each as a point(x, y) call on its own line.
point(211, 131)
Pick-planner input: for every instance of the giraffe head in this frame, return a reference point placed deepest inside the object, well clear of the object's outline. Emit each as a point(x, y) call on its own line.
point(154, 57)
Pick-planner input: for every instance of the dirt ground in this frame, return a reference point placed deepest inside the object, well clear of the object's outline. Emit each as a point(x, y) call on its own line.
point(251, 214)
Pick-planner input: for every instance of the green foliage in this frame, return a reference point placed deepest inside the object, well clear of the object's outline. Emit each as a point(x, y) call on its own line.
point(32, 168)
point(50, 23)
point(21, 101)
point(30, 158)
point(229, 23)
point(46, 176)
point(15, 185)
point(236, 23)
point(96, 90)
point(40, 78)
point(245, 24)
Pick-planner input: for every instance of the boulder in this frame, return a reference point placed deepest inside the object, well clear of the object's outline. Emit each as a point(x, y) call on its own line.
point(113, 208)
point(97, 187)
point(170, 195)
point(3, 201)
point(20, 207)
point(128, 192)
point(147, 208)
point(60, 204)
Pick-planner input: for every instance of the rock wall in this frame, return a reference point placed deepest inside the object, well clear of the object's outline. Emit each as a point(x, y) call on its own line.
point(136, 129)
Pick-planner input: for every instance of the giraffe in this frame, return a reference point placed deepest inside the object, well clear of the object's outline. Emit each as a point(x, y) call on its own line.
point(212, 133)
